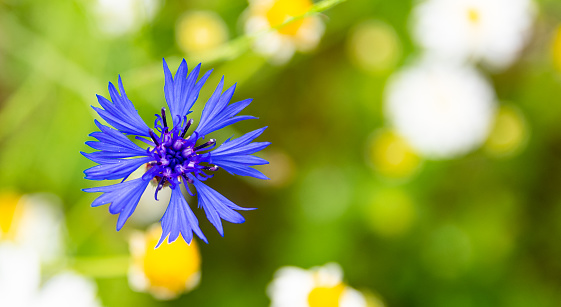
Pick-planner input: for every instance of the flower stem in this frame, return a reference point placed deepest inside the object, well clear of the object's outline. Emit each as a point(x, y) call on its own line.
point(102, 267)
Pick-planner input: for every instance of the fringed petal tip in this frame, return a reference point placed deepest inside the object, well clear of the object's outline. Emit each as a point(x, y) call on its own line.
point(236, 155)
point(169, 241)
point(119, 112)
point(217, 207)
point(179, 219)
point(122, 198)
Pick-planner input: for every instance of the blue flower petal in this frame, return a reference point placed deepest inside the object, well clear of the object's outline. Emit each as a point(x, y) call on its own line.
point(120, 112)
point(113, 144)
point(182, 91)
point(217, 207)
point(240, 144)
point(217, 114)
point(241, 159)
point(179, 218)
point(234, 156)
point(122, 197)
point(241, 170)
point(110, 169)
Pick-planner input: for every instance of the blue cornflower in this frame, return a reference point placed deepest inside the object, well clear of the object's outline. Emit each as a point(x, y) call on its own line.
point(173, 156)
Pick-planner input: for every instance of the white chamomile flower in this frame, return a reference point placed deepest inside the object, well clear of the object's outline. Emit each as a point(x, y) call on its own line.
point(20, 286)
point(118, 17)
point(316, 287)
point(442, 110)
point(491, 31)
point(33, 221)
point(301, 35)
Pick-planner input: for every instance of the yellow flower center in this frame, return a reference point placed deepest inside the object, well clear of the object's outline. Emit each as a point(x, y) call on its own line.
point(282, 10)
point(473, 15)
point(326, 296)
point(171, 266)
point(9, 214)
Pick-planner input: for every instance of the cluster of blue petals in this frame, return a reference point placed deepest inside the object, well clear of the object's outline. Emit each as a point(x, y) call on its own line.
point(174, 156)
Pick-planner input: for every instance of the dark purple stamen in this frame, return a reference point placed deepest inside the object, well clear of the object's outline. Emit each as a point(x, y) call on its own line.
point(160, 186)
point(209, 143)
point(175, 159)
point(187, 125)
point(188, 179)
point(164, 119)
point(154, 137)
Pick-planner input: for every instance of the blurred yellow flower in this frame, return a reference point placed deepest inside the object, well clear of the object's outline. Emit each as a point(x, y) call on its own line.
point(316, 287)
point(374, 46)
point(8, 214)
point(32, 221)
point(165, 272)
point(199, 31)
point(509, 132)
point(391, 212)
point(391, 155)
point(300, 35)
point(282, 10)
point(326, 296)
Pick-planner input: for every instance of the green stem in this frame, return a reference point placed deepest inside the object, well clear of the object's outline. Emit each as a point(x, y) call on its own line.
point(102, 267)
point(324, 5)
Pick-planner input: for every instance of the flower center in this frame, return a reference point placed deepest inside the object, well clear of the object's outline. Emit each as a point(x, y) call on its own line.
point(10, 214)
point(282, 10)
point(473, 15)
point(177, 157)
point(326, 296)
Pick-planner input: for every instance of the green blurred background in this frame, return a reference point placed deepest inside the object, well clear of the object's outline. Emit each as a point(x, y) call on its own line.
point(479, 230)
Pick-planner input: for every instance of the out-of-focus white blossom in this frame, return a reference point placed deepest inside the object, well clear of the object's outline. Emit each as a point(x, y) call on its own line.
point(118, 17)
point(443, 110)
point(20, 282)
point(493, 31)
point(316, 287)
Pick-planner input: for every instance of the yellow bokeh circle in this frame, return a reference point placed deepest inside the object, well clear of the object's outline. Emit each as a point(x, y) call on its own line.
point(509, 132)
point(200, 31)
point(391, 156)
